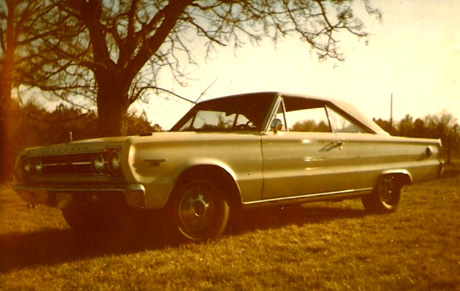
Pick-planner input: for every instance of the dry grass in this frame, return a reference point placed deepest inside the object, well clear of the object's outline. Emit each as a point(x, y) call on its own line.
point(324, 246)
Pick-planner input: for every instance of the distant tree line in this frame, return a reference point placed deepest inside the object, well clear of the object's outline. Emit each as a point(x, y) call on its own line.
point(310, 126)
point(444, 127)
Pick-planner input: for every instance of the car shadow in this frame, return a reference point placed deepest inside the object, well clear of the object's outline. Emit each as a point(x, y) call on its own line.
point(450, 173)
point(267, 218)
point(57, 246)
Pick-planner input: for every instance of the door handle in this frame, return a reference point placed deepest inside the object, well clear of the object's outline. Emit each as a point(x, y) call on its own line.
point(338, 144)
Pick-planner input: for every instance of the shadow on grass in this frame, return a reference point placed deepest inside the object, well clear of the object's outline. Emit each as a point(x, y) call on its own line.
point(50, 247)
point(451, 173)
point(275, 217)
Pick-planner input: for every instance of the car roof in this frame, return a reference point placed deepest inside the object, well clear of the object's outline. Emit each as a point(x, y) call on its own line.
point(345, 106)
point(348, 108)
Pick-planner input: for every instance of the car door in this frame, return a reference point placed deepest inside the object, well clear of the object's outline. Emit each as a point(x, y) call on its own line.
point(356, 145)
point(305, 156)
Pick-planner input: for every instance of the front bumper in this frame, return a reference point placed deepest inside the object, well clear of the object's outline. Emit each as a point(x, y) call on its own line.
point(134, 194)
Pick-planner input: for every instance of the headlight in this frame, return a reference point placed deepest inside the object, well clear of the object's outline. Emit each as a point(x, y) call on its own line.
point(114, 163)
point(26, 167)
point(38, 166)
point(98, 163)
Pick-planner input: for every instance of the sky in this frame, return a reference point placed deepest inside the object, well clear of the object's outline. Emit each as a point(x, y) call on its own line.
point(413, 53)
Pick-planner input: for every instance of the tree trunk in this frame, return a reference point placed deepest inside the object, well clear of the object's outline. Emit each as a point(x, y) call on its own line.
point(6, 84)
point(6, 159)
point(112, 104)
point(6, 156)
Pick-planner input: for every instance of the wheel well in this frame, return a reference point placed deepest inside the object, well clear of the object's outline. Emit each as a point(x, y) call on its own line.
point(402, 177)
point(224, 181)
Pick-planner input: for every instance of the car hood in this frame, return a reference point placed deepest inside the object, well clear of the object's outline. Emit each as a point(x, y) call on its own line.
point(99, 144)
point(74, 147)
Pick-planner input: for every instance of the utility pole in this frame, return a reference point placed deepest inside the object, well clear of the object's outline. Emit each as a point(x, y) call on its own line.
point(391, 113)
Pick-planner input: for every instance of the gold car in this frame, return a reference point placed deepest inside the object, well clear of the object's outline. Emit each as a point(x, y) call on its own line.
point(226, 155)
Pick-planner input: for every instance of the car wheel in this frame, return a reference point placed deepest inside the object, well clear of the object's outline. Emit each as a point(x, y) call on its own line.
point(385, 197)
point(200, 211)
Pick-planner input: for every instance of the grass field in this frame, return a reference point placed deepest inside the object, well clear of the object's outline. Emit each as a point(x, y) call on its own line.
point(319, 246)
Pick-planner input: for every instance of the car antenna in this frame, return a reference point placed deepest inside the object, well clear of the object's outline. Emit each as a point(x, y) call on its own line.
point(204, 92)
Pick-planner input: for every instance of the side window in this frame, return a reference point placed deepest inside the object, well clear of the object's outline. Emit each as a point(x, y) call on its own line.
point(306, 116)
point(213, 121)
point(308, 120)
point(341, 124)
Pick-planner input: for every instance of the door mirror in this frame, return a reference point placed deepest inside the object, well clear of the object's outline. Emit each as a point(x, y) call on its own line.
point(276, 125)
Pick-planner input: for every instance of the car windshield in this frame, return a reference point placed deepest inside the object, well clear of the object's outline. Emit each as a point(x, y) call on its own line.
point(235, 113)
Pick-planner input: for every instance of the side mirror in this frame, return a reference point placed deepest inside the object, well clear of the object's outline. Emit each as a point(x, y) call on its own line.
point(276, 125)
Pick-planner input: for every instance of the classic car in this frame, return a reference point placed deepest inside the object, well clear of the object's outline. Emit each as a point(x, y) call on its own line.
point(224, 156)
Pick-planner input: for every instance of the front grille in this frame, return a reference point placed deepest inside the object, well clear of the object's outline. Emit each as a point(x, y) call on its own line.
point(78, 164)
point(71, 164)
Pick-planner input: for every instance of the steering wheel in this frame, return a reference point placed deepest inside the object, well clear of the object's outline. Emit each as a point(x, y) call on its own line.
point(247, 126)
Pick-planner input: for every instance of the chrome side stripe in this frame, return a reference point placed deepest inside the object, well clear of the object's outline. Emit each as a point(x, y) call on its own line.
point(310, 197)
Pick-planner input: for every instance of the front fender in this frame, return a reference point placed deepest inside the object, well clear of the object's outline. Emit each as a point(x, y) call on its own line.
point(160, 188)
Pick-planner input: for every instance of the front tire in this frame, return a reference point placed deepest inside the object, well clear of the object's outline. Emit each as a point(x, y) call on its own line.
point(385, 197)
point(199, 211)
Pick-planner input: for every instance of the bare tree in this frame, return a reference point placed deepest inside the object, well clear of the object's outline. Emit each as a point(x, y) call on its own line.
point(118, 47)
point(17, 50)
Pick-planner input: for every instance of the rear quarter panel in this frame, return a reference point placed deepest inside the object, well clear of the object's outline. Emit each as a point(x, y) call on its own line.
point(369, 156)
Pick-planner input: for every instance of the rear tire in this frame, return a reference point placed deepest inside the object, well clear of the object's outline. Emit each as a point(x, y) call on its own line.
point(385, 197)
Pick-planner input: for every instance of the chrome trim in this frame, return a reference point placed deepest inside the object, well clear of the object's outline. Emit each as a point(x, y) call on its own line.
point(400, 172)
point(83, 188)
point(345, 194)
point(277, 99)
point(134, 193)
point(79, 163)
point(442, 166)
point(67, 164)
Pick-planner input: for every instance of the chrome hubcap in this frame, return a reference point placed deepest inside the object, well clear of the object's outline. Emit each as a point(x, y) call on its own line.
point(198, 205)
point(387, 189)
point(198, 211)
